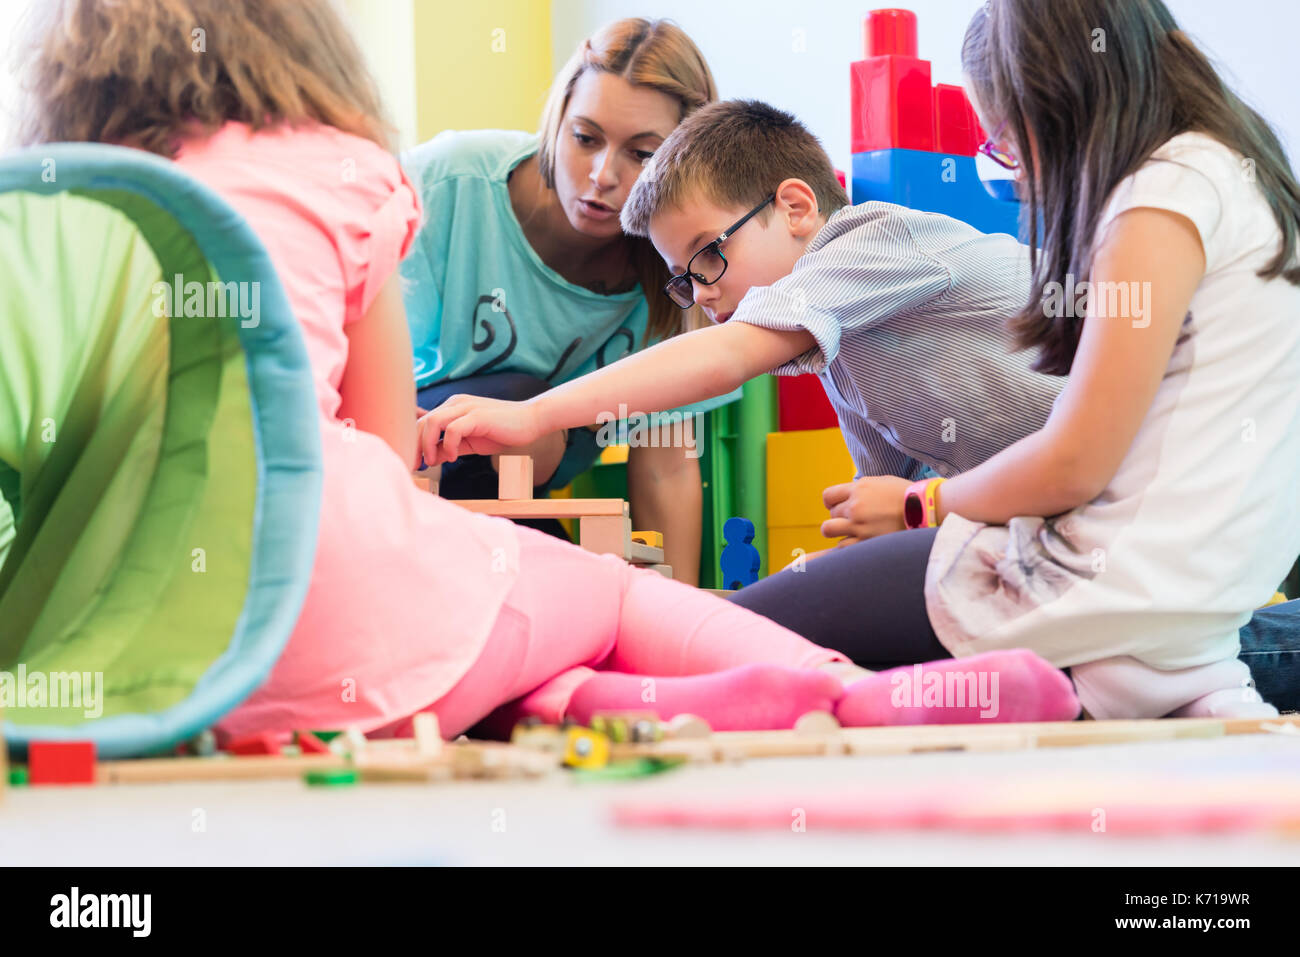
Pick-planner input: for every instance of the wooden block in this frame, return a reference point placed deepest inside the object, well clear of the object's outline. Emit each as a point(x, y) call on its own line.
point(308, 743)
point(61, 762)
point(515, 477)
point(605, 534)
point(350, 742)
point(951, 737)
point(544, 507)
point(428, 479)
point(641, 554)
point(428, 737)
point(687, 726)
point(220, 768)
point(264, 743)
point(479, 759)
point(1262, 725)
point(653, 539)
point(817, 722)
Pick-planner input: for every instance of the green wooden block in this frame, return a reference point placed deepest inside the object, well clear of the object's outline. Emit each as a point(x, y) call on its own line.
point(332, 777)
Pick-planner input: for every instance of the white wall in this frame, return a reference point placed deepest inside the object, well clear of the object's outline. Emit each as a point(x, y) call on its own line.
point(384, 31)
point(750, 47)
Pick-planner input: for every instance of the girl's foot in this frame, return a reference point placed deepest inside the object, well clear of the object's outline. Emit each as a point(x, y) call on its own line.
point(1014, 685)
point(749, 698)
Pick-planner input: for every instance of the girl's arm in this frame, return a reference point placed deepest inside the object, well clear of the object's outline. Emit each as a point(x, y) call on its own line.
point(687, 368)
point(1119, 365)
point(378, 386)
point(663, 487)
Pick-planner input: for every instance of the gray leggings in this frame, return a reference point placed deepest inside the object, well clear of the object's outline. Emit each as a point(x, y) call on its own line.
point(866, 600)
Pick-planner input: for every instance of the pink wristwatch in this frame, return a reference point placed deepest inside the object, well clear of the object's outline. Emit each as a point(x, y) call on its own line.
point(920, 504)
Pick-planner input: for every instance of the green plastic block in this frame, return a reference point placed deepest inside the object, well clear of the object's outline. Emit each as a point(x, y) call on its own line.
point(332, 777)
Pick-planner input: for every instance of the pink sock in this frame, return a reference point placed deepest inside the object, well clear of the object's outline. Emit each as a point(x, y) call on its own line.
point(1014, 685)
point(748, 698)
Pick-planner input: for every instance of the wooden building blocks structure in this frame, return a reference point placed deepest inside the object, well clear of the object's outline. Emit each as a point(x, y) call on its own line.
point(604, 524)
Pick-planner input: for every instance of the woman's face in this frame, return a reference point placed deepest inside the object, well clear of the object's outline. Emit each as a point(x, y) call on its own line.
point(609, 130)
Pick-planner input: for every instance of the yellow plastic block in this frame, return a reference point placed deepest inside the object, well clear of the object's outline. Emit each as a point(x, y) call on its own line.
point(800, 465)
point(613, 455)
point(784, 542)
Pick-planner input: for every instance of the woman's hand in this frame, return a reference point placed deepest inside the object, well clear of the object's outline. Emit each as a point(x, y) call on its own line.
point(865, 508)
point(474, 425)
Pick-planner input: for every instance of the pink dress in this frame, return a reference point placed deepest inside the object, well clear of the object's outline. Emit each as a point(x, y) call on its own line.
point(394, 617)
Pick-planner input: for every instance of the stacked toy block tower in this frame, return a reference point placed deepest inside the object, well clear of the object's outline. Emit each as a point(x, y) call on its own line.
point(914, 143)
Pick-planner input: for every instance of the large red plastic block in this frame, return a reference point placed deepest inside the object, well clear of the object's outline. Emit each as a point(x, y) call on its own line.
point(61, 762)
point(956, 127)
point(889, 32)
point(891, 103)
point(802, 404)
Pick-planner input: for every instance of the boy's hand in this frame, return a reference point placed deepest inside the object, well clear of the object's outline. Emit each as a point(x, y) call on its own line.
point(474, 425)
point(865, 508)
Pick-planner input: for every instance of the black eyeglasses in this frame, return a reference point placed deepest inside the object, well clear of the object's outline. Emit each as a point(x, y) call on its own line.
point(709, 269)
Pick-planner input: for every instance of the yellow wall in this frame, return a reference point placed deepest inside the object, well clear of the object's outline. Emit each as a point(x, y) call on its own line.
point(481, 64)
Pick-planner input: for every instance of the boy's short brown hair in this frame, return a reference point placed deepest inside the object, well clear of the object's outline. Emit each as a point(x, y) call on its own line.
point(732, 153)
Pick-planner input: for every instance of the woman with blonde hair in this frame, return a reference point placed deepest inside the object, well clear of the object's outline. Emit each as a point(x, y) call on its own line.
point(521, 277)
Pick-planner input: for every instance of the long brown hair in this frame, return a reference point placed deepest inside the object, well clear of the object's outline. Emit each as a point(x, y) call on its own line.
point(652, 53)
point(147, 73)
point(1102, 84)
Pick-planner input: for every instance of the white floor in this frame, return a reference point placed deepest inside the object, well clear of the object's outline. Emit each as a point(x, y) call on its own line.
point(561, 821)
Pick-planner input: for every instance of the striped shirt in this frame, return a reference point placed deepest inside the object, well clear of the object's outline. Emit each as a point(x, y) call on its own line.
point(909, 310)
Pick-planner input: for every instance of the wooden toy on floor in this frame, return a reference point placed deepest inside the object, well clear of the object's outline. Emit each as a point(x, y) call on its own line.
point(818, 734)
point(254, 744)
point(428, 478)
point(821, 736)
point(424, 757)
point(604, 524)
point(61, 762)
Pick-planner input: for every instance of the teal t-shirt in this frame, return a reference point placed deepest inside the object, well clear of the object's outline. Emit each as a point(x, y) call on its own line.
point(478, 297)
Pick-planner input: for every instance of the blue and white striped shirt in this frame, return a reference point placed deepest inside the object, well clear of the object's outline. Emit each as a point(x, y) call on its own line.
point(909, 310)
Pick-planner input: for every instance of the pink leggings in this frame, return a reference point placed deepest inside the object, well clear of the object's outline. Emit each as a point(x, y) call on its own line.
point(572, 612)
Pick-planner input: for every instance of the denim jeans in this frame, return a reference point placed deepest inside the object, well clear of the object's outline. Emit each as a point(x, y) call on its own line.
point(1270, 646)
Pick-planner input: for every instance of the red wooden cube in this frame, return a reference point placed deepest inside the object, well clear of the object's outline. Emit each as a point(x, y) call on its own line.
point(61, 762)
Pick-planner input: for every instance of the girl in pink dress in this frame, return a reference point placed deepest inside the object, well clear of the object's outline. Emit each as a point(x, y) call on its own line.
point(416, 604)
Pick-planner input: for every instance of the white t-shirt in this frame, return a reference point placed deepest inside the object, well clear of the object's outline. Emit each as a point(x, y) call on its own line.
point(1202, 520)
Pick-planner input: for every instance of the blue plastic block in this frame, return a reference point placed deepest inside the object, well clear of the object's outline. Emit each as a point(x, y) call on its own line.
point(739, 558)
point(936, 183)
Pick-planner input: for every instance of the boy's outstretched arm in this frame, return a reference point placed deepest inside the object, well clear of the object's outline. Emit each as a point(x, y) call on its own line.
point(687, 368)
